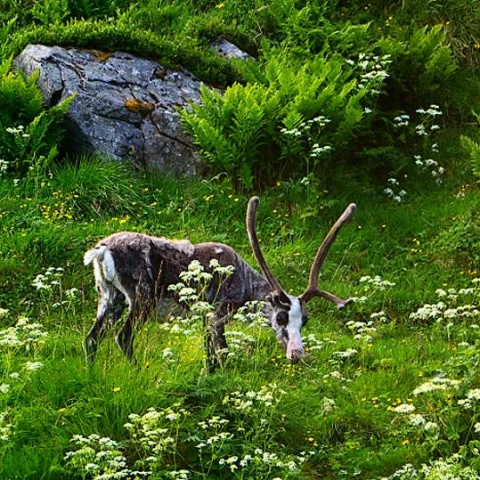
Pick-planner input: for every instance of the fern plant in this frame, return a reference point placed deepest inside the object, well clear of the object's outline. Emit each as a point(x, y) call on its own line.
point(29, 133)
point(269, 130)
point(473, 149)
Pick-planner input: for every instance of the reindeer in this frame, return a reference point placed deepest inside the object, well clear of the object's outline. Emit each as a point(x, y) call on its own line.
point(134, 271)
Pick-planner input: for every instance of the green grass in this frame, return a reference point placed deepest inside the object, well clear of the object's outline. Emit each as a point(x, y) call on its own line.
point(344, 412)
point(340, 409)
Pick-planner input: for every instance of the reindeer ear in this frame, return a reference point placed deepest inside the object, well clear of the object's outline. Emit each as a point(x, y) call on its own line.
point(279, 299)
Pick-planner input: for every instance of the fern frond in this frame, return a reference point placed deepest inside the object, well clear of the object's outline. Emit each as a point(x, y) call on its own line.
point(473, 149)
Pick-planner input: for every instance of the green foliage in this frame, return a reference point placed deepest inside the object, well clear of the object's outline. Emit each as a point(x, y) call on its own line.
point(473, 149)
point(253, 131)
point(459, 19)
point(43, 12)
point(13, 88)
point(422, 67)
point(319, 80)
point(29, 134)
point(232, 129)
point(460, 239)
point(96, 8)
point(47, 13)
point(269, 129)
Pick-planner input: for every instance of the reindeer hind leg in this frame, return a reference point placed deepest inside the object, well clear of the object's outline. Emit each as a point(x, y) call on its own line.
point(94, 338)
point(119, 303)
point(111, 305)
point(124, 338)
point(138, 313)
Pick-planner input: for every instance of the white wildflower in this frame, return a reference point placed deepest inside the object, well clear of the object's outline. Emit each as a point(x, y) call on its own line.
point(4, 388)
point(437, 384)
point(430, 426)
point(33, 366)
point(404, 408)
point(416, 420)
point(345, 354)
point(167, 353)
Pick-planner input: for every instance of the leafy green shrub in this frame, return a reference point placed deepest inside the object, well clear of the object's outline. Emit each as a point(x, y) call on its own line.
point(280, 126)
point(47, 12)
point(421, 69)
point(157, 16)
point(462, 25)
point(297, 112)
point(14, 87)
point(29, 134)
point(460, 20)
point(473, 149)
point(95, 8)
point(474, 152)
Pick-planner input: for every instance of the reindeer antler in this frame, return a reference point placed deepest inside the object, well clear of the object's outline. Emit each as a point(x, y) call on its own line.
point(252, 236)
point(312, 290)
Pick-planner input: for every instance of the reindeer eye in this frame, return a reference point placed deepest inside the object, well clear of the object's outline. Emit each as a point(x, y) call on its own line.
point(282, 319)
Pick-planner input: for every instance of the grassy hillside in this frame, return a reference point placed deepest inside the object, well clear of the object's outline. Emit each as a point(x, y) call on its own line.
point(389, 388)
point(343, 405)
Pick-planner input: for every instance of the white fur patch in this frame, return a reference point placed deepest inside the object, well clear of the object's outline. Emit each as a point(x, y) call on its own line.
point(103, 264)
point(102, 306)
point(294, 327)
point(102, 286)
point(94, 254)
point(108, 266)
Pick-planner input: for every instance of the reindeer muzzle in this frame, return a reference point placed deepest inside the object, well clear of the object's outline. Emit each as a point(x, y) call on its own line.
point(295, 350)
point(295, 355)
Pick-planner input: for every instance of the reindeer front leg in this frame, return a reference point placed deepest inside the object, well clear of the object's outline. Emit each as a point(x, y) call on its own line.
point(215, 342)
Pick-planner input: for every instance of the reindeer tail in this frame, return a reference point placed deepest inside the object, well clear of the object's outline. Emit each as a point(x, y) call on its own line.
point(103, 260)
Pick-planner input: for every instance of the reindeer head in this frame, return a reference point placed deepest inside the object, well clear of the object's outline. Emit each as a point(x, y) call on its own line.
point(288, 314)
